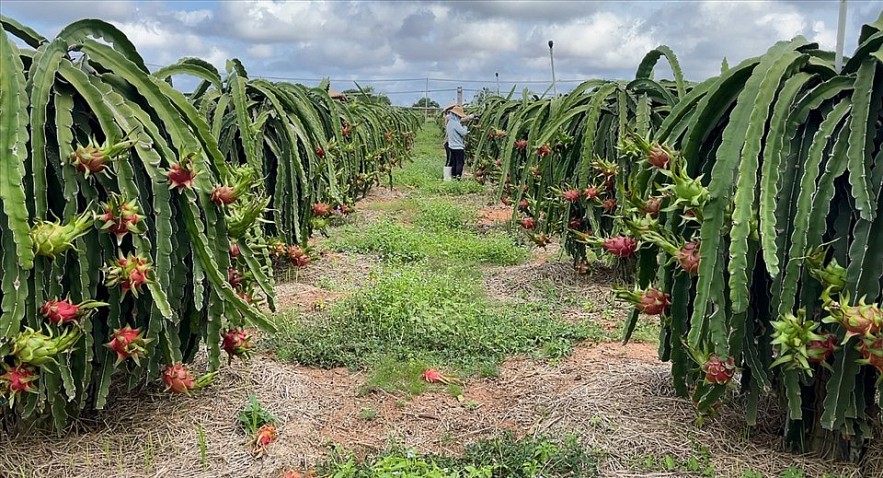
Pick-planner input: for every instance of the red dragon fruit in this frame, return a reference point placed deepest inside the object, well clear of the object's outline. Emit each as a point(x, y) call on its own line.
point(63, 312)
point(650, 301)
point(92, 159)
point(862, 319)
point(544, 151)
point(17, 380)
point(181, 174)
point(528, 223)
point(234, 277)
point(651, 207)
point(237, 343)
point(621, 246)
point(120, 217)
point(523, 205)
point(432, 375)
point(575, 223)
point(521, 144)
point(818, 351)
point(591, 192)
point(506, 201)
point(571, 195)
point(658, 157)
point(321, 209)
point(234, 251)
point(872, 352)
point(688, 258)
point(320, 152)
point(263, 438)
point(609, 204)
point(298, 256)
point(223, 195)
point(717, 371)
point(131, 273)
point(128, 343)
point(178, 379)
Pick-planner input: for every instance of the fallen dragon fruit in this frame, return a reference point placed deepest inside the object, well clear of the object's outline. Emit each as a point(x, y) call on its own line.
point(178, 379)
point(432, 375)
point(262, 439)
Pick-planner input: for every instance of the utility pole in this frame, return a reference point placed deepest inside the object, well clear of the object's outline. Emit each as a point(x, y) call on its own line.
point(426, 102)
point(498, 83)
point(841, 33)
point(552, 60)
point(460, 95)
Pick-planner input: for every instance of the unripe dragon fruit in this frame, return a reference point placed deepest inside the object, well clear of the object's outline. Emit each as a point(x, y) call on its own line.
point(609, 205)
point(621, 246)
point(36, 348)
point(591, 192)
point(237, 343)
point(819, 351)
point(521, 145)
point(234, 251)
point(528, 223)
point(92, 159)
point(544, 151)
point(223, 195)
point(51, 238)
point(120, 217)
point(130, 273)
point(571, 195)
point(688, 258)
point(63, 312)
point(181, 175)
point(658, 157)
point(128, 343)
point(17, 380)
point(717, 371)
point(321, 209)
point(607, 169)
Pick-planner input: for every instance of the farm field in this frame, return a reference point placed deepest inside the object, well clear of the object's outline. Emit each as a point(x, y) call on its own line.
point(537, 349)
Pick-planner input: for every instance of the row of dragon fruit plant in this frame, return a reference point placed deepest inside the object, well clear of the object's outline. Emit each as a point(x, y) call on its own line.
point(135, 222)
point(752, 203)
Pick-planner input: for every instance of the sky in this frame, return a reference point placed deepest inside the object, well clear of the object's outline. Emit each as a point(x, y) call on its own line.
point(396, 46)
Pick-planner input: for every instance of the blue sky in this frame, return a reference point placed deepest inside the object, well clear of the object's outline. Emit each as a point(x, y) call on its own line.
point(395, 46)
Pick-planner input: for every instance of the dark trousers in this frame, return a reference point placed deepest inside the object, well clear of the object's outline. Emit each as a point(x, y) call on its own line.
point(458, 157)
point(447, 155)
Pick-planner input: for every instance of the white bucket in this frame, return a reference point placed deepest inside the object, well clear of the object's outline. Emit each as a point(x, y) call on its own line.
point(447, 173)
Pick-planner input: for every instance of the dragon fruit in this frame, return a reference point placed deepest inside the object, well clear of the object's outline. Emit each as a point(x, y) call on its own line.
point(523, 205)
point(651, 207)
point(609, 205)
point(717, 371)
point(51, 238)
point(298, 256)
point(621, 246)
point(819, 351)
point(320, 152)
point(321, 209)
point(863, 320)
point(607, 169)
point(130, 272)
point(544, 151)
point(181, 174)
point(120, 217)
point(521, 145)
point(237, 343)
point(37, 348)
point(234, 251)
point(263, 438)
point(688, 258)
point(128, 343)
point(223, 195)
point(872, 352)
point(346, 130)
point(63, 312)
point(178, 379)
point(658, 157)
point(650, 301)
point(528, 223)
point(432, 375)
point(234, 277)
point(575, 223)
point(17, 380)
point(571, 195)
point(506, 201)
point(591, 192)
point(92, 159)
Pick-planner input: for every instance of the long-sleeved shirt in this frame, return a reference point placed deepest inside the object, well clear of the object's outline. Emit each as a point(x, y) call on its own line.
point(456, 132)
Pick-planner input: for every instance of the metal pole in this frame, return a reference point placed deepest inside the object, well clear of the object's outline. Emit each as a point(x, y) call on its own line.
point(552, 60)
point(841, 32)
point(460, 95)
point(498, 83)
point(426, 102)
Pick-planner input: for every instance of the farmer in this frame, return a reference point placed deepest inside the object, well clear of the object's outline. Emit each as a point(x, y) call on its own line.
point(456, 135)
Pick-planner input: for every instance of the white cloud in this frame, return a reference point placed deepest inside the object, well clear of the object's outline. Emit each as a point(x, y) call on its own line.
point(193, 17)
point(261, 50)
point(824, 36)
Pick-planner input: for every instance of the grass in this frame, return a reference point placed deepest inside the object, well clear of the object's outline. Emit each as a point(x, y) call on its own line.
point(504, 455)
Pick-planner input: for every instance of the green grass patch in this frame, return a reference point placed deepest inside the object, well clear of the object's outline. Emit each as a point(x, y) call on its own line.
point(419, 316)
point(503, 456)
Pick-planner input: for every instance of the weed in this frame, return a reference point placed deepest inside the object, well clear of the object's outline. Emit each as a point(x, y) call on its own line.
point(368, 414)
point(253, 416)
